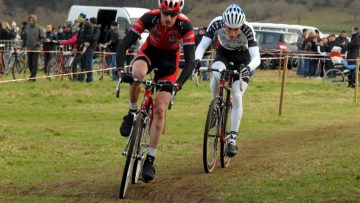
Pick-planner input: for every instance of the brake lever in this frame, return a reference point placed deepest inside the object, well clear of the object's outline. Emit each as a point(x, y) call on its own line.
point(117, 92)
point(172, 96)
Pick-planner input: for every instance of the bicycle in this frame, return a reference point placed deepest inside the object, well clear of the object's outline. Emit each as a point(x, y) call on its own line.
point(217, 127)
point(139, 140)
point(17, 63)
point(61, 64)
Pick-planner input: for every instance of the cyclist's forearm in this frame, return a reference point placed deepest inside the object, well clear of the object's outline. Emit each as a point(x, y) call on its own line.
point(189, 56)
point(255, 58)
point(201, 48)
point(124, 45)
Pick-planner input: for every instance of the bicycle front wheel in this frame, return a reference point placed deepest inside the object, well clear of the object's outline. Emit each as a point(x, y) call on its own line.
point(224, 158)
point(211, 136)
point(131, 156)
point(334, 78)
point(143, 145)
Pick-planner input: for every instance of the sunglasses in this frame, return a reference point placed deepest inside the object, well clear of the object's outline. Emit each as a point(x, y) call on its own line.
point(170, 13)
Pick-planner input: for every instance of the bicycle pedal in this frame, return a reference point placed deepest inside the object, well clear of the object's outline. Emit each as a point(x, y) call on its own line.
point(143, 180)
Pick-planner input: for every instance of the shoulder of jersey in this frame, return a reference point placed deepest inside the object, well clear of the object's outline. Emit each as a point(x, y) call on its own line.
point(183, 17)
point(216, 23)
point(154, 12)
point(247, 26)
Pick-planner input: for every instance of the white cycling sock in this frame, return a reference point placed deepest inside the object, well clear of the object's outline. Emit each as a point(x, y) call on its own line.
point(152, 152)
point(237, 107)
point(133, 106)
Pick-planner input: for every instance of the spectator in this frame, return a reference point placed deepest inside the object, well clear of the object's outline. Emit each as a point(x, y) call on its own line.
point(33, 37)
point(343, 41)
point(60, 33)
point(73, 42)
point(332, 42)
point(206, 57)
point(336, 58)
point(89, 38)
point(112, 42)
point(300, 47)
point(48, 46)
point(317, 33)
point(23, 30)
point(310, 43)
point(1, 32)
point(68, 30)
point(7, 33)
point(353, 53)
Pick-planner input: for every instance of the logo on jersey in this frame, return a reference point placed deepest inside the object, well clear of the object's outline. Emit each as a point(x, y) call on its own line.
point(155, 31)
point(173, 39)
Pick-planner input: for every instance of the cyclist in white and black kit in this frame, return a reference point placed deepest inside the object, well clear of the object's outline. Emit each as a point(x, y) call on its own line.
point(238, 45)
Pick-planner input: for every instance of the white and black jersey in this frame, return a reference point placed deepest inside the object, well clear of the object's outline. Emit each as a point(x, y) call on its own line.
point(242, 42)
point(243, 49)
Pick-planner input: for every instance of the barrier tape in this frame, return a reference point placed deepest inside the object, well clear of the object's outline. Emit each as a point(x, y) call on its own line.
point(60, 75)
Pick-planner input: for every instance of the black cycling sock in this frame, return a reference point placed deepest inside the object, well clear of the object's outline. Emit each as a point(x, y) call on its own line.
point(150, 159)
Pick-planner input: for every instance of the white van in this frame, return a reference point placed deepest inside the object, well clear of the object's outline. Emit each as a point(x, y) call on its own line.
point(125, 16)
point(283, 27)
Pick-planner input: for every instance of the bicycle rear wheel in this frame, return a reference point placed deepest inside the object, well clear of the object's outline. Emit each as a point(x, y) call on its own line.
point(224, 158)
point(131, 156)
point(334, 78)
point(211, 136)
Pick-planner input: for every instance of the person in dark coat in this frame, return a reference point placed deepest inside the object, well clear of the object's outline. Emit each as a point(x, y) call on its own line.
point(48, 45)
point(33, 38)
point(353, 53)
point(112, 42)
point(343, 41)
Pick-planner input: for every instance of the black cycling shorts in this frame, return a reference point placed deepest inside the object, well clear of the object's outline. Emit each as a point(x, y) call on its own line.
point(237, 57)
point(165, 63)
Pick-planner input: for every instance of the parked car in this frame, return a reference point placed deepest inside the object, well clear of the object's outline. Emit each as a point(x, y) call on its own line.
point(274, 43)
point(284, 27)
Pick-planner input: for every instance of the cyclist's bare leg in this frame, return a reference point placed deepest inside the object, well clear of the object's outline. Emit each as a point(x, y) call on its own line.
point(161, 103)
point(214, 84)
point(139, 70)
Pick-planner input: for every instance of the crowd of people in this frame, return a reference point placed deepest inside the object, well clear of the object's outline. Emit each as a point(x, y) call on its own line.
point(312, 43)
point(81, 37)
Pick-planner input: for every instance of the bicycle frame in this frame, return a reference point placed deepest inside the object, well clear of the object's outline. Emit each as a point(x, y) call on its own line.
point(224, 103)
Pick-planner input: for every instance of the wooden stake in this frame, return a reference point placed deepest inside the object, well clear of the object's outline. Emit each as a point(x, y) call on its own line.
point(281, 106)
point(357, 80)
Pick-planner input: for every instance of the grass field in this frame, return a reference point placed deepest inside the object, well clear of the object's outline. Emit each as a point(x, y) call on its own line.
point(59, 142)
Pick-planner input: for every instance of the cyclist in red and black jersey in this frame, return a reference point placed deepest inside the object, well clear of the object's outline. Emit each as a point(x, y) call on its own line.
point(161, 52)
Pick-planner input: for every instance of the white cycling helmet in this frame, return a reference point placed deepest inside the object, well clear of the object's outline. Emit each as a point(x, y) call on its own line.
point(234, 16)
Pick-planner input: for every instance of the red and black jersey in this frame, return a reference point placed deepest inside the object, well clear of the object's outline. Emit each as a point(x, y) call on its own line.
point(162, 40)
point(165, 38)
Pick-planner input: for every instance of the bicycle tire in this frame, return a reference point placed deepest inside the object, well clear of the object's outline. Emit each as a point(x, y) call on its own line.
point(224, 158)
point(18, 69)
point(210, 141)
point(334, 78)
point(53, 69)
point(143, 144)
point(130, 157)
